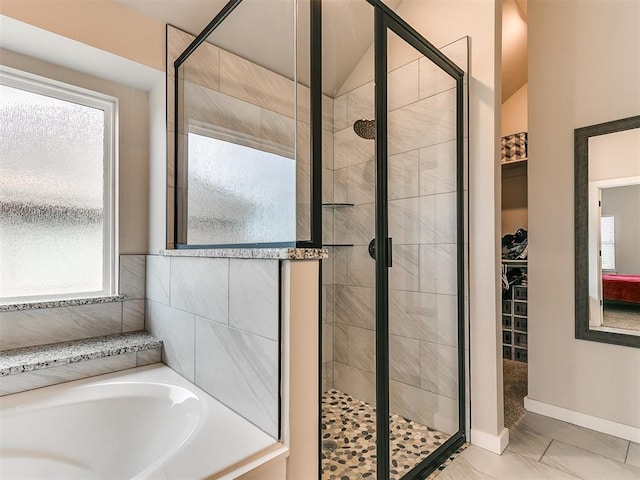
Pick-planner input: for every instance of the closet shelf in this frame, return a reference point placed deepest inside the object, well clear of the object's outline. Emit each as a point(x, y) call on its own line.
point(514, 313)
point(514, 163)
point(514, 262)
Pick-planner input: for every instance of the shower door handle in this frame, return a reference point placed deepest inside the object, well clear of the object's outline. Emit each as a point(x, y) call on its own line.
point(372, 250)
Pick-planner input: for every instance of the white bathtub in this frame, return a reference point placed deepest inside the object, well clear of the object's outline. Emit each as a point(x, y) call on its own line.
point(146, 422)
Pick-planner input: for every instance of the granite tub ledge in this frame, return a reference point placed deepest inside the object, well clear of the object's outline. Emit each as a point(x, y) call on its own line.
point(28, 359)
point(251, 253)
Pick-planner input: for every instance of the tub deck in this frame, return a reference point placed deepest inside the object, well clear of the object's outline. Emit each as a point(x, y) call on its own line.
point(163, 427)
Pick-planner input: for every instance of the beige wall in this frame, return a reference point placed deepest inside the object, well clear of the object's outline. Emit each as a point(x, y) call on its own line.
point(584, 68)
point(104, 24)
point(614, 156)
point(300, 357)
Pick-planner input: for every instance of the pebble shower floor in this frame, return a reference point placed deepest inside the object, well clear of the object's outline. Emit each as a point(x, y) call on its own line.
point(348, 440)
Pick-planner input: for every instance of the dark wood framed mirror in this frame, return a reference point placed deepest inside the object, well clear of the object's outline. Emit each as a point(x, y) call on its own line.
point(607, 232)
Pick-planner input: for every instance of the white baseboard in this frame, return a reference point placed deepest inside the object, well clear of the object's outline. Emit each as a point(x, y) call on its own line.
point(493, 443)
point(609, 427)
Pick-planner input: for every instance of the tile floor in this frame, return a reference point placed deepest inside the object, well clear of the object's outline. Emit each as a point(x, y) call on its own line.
point(542, 448)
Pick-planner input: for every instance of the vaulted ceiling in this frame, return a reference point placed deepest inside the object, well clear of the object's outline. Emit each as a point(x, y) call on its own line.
point(514, 46)
point(262, 31)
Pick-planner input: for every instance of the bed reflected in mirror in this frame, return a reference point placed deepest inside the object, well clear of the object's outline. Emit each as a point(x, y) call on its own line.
point(620, 257)
point(607, 229)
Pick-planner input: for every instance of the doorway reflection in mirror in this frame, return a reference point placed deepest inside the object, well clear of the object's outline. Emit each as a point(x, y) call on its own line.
point(620, 256)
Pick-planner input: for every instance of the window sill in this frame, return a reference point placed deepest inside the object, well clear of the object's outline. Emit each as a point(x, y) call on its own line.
point(13, 307)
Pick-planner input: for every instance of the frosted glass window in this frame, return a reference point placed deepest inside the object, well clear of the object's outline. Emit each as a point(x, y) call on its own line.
point(54, 204)
point(608, 242)
point(239, 195)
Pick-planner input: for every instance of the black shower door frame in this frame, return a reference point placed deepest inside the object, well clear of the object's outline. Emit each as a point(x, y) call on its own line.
point(388, 21)
point(315, 87)
point(385, 20)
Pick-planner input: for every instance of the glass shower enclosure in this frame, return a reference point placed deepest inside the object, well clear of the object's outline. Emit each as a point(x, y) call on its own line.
point(335, 124)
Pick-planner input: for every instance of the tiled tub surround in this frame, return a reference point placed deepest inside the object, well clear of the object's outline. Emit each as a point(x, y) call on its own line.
point(423, 308)
point(34, 367)
point(219, 319)
point(246, 104)
point(78, 319)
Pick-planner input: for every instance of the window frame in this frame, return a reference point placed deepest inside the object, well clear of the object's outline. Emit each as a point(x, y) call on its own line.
point(612, 219)
point(109, 105)
point(213, 132)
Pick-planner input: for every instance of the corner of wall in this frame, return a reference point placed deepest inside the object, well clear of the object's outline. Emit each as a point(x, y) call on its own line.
point(493, 443)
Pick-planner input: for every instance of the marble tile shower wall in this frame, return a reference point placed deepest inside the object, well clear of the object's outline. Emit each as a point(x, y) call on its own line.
point(26, 328)
point(246, 104)
point(422, 216)
point(219, 321)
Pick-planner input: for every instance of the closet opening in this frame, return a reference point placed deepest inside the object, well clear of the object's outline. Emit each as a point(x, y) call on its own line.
point(514, 164)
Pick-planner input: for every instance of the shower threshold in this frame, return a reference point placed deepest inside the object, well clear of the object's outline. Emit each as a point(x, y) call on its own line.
point(349, 440)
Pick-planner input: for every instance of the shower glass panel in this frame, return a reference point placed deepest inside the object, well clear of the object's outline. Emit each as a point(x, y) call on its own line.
point(423, 279)
point(391, 134)
point(349, 319)
point(236, 137)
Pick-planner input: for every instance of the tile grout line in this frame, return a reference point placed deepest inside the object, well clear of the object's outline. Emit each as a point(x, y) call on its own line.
point(627, 454)
point(545, 451)
point(229, 292)
point(397, 381)
point(122, 317)
point(476, 470)
point(170, 268)
point(402, 152)
point(195, 336)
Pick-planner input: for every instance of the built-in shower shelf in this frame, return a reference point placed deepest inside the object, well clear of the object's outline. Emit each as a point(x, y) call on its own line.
point(337, 205)
point(337, 244)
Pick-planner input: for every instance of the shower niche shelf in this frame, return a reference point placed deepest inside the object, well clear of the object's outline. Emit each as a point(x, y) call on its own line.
point(337, 205)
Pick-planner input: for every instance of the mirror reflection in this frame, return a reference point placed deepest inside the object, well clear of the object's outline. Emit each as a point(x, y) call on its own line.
point(620, 257)
point(614, 232)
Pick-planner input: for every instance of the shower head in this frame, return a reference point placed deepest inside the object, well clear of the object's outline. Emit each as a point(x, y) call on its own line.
point(365, 129)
